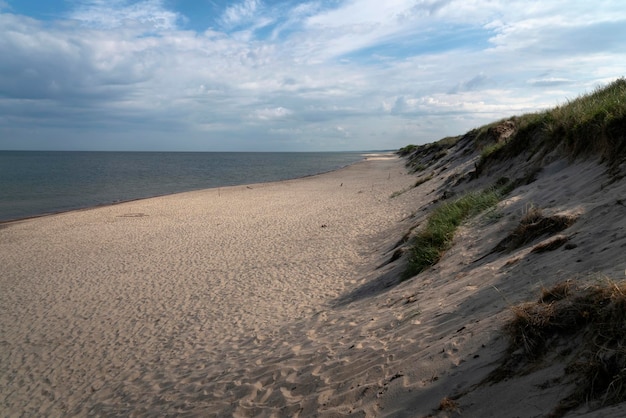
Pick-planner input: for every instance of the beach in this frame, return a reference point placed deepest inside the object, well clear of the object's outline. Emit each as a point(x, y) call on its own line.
point(290, 299)
point(110, 310)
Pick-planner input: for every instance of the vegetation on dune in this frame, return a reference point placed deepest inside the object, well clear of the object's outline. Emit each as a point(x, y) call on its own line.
point(591, 124)
point(532, 226)
point(580, 325)
point(584, 325)
point(408, 150)
point(429, 245)
point(420, 157)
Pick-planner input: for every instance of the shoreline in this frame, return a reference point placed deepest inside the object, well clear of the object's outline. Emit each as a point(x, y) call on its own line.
point(7, 222)
point(107, 311)
point(287, 298)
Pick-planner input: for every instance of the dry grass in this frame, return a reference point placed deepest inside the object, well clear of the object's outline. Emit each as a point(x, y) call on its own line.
point(423, 180)
point(448, 405)
point(583, 323)
point(533, 225)
point(551, 245)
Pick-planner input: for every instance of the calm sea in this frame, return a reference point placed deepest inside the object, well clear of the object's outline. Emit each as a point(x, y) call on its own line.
point(34, 183)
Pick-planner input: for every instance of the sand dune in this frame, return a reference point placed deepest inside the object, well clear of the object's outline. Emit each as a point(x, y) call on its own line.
point(284, 299)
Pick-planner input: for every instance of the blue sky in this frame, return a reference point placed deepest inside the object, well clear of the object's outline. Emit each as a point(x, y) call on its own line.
point(254, 75)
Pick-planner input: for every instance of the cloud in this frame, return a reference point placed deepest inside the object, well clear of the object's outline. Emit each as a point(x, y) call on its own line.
point(400, 105)
point(386, 73)
point(271, 113)
point(240, 13)
point(474, 83)
point(343, 131)
point(548, 81)
point(114, 14)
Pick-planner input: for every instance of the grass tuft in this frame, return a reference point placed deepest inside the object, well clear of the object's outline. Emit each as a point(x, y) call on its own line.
point(533, 225)
point(448, 405)
point(435, 239)
point(423, 180)
point(588, 322)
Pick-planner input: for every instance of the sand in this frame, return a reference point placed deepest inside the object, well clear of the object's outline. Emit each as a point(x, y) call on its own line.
point(284, 299)
point(138, 306)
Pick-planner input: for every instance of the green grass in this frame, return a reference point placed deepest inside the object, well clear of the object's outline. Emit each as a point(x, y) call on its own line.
point(591, 124)
point(491, 149)
point(435, 239)
point(409, 149)
point(420, 157)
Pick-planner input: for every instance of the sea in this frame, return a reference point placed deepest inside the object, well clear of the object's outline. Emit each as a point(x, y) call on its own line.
point(34, 183)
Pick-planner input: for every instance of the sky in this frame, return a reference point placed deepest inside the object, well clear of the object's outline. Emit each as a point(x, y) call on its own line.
point(272, 75)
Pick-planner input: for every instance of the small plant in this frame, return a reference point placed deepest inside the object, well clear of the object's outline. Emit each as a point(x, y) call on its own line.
point(533, 225)
point(423, 180)
point(448, 405)
point(399, 192)
point(491, 149)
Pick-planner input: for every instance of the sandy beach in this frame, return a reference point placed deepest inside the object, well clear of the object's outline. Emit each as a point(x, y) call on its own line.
point(286, 300)
point(137, 307)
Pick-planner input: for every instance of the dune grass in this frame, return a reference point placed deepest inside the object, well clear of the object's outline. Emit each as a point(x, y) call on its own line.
point(420, 157)
point(590, 124)
point(429, 245)
point(533, 225)
point(593, 123)
point(585, 324)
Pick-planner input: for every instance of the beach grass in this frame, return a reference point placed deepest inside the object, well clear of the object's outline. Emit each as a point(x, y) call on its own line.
point(583, 322)
point(421, 157)
point(533, 225)
point(591, 124)
point(429, 245)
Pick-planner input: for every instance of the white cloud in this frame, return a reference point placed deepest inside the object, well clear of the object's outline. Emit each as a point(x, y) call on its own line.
point(473, 83)
point(386, 73)
point(549, 81)
point(271, 113)
point(343, 131)
point(113, 14)
point(240, 13)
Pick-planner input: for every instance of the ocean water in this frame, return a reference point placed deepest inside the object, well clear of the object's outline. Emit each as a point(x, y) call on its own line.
point(34, 183)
